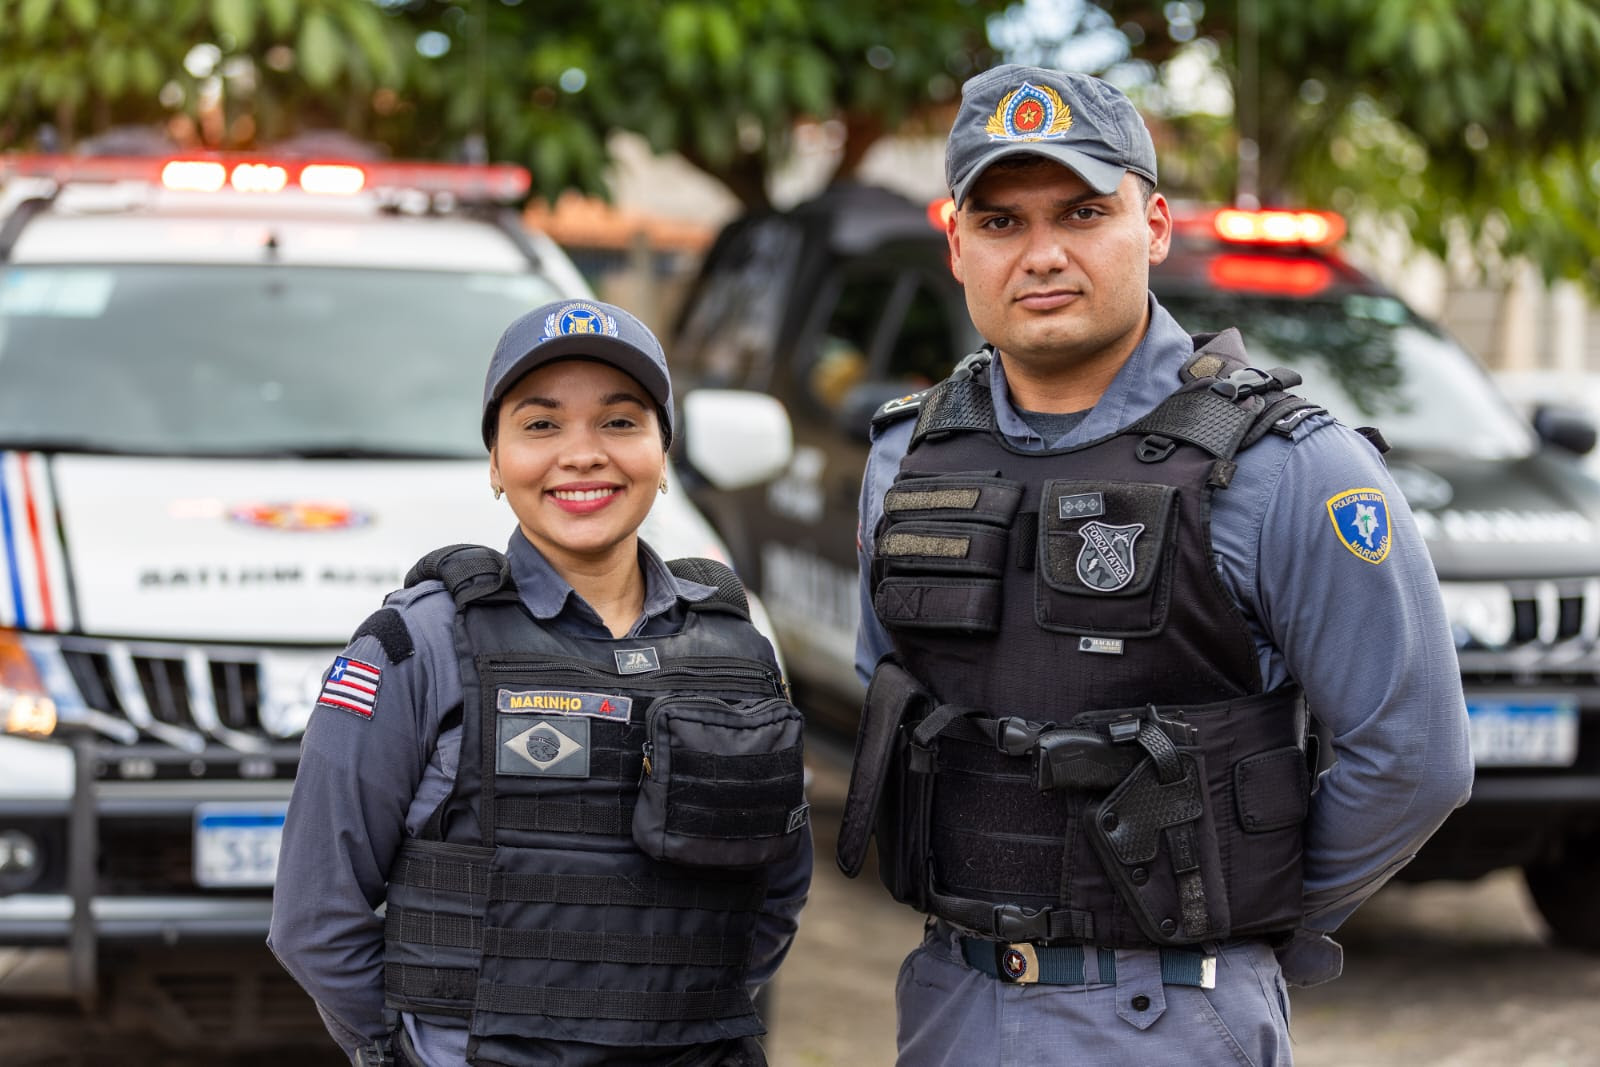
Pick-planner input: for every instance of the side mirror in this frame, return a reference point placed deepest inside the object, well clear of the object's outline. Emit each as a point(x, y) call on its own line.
point(1565, 428)
point(735, 438)
point(855, 412)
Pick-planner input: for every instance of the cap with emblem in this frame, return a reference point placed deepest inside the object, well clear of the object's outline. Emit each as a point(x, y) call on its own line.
point(578, 329)
point(1080, 122)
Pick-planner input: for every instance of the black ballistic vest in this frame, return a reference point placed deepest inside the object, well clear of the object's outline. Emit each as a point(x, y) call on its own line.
point(1085, 750)
point(525, 905)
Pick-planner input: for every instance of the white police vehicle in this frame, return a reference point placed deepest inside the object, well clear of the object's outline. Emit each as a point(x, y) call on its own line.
point(847, 301)
point(238, 398)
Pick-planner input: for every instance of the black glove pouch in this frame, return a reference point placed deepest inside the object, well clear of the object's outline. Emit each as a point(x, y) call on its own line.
point(724, 784)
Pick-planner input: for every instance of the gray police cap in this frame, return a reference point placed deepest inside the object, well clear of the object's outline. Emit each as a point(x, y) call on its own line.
point(578, 329)
point(1079, 121)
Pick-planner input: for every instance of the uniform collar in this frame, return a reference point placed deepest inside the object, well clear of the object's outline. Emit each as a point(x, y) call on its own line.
point(1147, 378)
point(547, 595)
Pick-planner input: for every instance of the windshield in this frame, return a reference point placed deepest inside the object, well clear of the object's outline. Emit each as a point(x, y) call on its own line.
point(191, 360)
point(1370, 361)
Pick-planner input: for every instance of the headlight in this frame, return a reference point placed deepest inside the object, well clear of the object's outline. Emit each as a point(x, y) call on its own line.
point(21, 861)
point(26, 708)
point(1480, 613)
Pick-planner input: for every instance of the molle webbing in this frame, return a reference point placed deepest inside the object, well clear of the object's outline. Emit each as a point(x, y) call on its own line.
point(453, 931)
point(728, 795)
point(474, 878)
point(413, 984)
point(613, 1004)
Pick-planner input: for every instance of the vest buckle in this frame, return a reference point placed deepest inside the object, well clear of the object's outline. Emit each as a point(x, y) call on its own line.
point(1155, 448)
point(1013, 922)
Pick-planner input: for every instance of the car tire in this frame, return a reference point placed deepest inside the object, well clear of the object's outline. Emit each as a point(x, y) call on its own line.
point(1564, 893)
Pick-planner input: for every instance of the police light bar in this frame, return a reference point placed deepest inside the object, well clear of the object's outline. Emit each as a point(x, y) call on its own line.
point(1270, 274)
point(214, 172)
point(1275, 227)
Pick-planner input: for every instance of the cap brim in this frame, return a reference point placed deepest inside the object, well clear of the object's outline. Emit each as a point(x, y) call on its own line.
point(614, 351)
point(1102, 177)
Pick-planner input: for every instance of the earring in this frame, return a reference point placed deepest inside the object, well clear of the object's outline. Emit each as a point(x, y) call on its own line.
point(663, 485)
point(497, 491)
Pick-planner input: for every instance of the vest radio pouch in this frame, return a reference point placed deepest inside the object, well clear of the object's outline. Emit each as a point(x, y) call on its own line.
point(1157, 841)
point(723, 783)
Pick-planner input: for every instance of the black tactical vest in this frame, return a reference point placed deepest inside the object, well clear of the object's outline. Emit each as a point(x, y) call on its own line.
point(527, 904)
point(1084, 751)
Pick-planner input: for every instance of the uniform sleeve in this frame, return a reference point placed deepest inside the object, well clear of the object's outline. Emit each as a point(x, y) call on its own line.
point(346, 820)
point(788, 885)
point(1364, 632)
point(872, 640)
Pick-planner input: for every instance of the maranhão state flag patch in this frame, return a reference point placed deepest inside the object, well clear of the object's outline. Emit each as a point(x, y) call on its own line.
point(351, 686)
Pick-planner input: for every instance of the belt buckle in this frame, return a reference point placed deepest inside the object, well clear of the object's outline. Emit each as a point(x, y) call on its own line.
point(1016, 962)
point(1208, 972)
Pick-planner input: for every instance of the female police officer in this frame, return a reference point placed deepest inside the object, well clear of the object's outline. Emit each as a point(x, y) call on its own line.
point(568, 772)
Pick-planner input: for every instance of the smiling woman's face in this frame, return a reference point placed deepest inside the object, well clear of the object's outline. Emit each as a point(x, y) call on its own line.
point(579, 455)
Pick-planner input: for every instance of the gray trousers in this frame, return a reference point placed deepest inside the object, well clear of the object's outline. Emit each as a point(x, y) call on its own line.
point(950, 1014)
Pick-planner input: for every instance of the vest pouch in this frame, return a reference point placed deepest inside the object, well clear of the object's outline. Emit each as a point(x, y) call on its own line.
point(1272, 792)
point(1157, 842)
point(723, 783)
point(1105, 557)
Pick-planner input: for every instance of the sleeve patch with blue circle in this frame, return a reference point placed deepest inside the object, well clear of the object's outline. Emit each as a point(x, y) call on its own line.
point(1361, 522)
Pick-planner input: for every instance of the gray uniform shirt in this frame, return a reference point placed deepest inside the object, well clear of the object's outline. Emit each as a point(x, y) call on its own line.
point(1369, 643)
point(366, 784)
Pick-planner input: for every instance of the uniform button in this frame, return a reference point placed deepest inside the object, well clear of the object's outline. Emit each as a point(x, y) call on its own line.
point(1168, 926)
point(1139, 875)
point(1141, 1003)
point(1108, 821)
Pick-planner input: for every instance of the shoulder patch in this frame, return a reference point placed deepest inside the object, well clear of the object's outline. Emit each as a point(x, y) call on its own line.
point(1361, 522)
point(900, 407)
point(390, 629)
point(352, 686)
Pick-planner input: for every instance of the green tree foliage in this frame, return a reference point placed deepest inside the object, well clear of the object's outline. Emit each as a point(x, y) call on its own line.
point(723, 82)
point(231, 71)
point(1476, 120)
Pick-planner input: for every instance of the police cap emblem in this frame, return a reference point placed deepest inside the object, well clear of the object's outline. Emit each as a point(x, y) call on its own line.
point(1030, 113)
point(580, 318)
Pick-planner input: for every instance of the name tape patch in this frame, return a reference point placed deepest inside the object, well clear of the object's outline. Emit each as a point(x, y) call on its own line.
point(564, 702)
point(1105, 646)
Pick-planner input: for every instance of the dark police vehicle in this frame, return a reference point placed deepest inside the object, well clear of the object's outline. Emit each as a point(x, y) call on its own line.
point(846, 301)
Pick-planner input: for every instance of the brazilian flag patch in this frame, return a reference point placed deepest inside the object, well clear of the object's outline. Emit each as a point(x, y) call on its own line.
point(1361, 522)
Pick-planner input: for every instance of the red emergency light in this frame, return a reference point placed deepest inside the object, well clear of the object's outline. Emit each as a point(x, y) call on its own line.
point(1270, 274)
point(1277, 227)
point(214, 172)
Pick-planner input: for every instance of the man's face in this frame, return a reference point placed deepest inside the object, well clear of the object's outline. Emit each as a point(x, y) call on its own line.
point(1056, 275)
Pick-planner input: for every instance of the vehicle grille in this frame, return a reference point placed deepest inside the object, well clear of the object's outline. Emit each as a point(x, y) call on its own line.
point(190, 698)
point(1553, 631)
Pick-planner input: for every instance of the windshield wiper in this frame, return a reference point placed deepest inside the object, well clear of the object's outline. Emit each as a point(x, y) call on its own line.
point(41, 443)
point(348, 452)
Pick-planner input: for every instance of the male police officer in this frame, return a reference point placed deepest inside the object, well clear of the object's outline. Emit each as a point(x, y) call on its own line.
point(1105, 567)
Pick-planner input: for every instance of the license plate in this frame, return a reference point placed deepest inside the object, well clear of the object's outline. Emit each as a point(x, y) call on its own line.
point(236, 845)
point(1524, 731)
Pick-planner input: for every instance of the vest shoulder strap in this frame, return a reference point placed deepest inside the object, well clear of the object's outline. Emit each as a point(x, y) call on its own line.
point(1226, 405)
point(729, 595)
point(469, 572)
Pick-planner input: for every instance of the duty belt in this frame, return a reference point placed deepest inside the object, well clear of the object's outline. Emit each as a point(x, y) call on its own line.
point(1024, 963)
